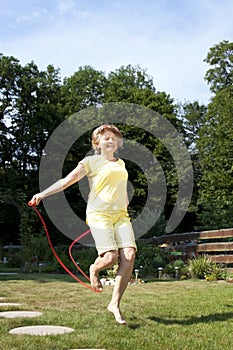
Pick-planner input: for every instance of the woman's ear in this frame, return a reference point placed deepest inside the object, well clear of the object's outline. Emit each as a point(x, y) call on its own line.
point(98, 146)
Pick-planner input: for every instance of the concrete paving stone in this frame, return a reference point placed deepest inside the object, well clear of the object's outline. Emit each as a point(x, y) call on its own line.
point(41, 330)
point(15, 314)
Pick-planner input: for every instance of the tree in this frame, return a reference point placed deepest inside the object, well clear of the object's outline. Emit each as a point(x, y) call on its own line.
point(220, 57)
point(193, 117)
point(30, 114)
point(30, 111)
point(9, 73)
point(216, 149)
point(83, 89)
point(215, 142)
point(125, 83)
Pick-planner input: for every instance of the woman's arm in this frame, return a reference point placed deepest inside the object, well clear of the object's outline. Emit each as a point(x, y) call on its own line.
point(127, 200)
point(74, 176)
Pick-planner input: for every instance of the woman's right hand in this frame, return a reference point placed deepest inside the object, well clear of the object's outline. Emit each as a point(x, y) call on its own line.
point(35, 199)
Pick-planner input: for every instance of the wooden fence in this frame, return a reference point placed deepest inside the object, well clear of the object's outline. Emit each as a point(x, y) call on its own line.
point(191, 244)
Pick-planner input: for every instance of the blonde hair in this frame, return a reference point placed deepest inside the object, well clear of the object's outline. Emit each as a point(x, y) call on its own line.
point(98, 132)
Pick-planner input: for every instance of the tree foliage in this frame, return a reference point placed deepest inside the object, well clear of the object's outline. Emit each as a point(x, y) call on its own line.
point(193, 116)
point(216, 150)
point(83, 89)
point(215, 144)
point(33, 103)
point(220, 58)
point(30, 112)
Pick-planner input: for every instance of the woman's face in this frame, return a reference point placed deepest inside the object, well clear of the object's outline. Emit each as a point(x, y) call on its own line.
point(108, 142)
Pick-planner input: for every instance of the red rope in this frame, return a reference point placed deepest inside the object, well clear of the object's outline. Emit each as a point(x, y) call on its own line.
point(71, 256)
point(70, 252)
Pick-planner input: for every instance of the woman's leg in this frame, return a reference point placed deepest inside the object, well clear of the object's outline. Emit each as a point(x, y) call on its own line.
point(126, 263)
point(107, 260)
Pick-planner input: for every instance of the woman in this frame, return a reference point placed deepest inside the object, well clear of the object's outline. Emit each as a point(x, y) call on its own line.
point(106, 211)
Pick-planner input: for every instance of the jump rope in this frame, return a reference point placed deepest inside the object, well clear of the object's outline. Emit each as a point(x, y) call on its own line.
point(32, 204)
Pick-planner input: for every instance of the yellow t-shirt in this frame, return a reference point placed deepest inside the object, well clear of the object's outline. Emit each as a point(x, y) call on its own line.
point(108, 183)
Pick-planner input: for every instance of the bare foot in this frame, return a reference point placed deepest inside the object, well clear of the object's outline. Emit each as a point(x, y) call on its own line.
point(94, 279)
point(117, 314)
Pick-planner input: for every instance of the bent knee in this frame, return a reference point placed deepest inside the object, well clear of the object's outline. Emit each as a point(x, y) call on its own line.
point(111, 257)
point(129, 254)
point(132, 254)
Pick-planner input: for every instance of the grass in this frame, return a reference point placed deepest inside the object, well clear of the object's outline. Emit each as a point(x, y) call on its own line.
point(161, 315)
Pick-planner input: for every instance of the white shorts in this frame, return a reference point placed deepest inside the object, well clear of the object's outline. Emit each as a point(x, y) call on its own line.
point(111, 230)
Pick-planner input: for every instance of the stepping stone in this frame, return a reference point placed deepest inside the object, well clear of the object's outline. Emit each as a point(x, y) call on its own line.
point(41, 330)
point(14, 314)
point(9, 304)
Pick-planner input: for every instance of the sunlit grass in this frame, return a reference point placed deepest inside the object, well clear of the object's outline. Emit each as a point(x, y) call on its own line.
point(184, 315)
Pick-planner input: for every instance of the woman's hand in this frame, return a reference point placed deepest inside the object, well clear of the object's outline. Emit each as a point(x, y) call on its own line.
point(35, 199)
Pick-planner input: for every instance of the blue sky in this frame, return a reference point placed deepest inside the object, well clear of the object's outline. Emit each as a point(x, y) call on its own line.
point(168, 38)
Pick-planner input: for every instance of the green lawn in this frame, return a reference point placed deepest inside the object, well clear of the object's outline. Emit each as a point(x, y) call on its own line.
point(162, 315)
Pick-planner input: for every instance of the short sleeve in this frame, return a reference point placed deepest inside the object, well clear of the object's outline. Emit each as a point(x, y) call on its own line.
point(86, 163)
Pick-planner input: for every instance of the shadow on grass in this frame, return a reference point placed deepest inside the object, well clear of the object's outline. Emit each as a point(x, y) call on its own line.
point(217, 317)
point(134, 326)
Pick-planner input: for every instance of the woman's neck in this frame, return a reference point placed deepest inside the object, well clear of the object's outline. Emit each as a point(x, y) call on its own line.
point(109, 156)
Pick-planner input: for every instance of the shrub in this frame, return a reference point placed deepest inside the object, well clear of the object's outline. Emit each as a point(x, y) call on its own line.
point(200, 267)
point(111, 273)
point(182, 268)
point(149, 258)
point(15, 260)
point(216, 273)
